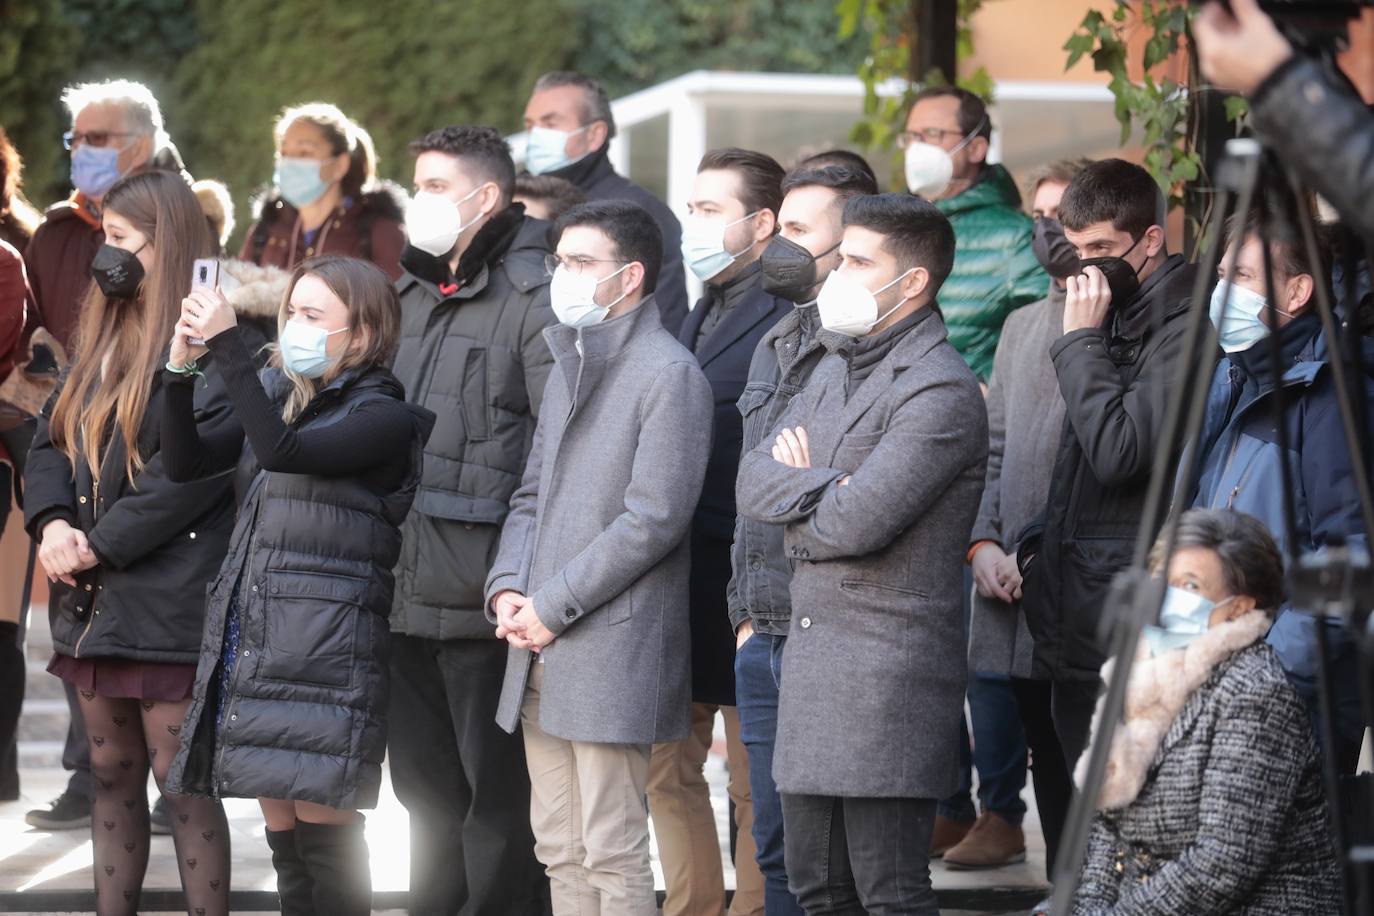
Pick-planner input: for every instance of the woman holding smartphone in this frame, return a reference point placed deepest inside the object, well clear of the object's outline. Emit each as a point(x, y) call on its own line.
point(292, 682)
point(128, 549)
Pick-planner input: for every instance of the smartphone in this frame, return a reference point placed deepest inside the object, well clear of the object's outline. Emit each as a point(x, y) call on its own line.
point(204, 272)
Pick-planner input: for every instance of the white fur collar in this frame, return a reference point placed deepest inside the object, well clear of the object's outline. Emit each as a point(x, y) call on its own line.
point(1158, 689)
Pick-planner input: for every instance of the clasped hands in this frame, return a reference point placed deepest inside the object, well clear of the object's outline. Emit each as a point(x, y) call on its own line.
point(205, 313)
point(517, 623)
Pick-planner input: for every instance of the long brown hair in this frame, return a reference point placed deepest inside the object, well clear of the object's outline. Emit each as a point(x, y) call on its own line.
point(374, 313)
point(121, 343)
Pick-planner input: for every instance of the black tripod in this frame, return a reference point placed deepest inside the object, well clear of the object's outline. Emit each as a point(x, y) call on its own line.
point(1337, 582)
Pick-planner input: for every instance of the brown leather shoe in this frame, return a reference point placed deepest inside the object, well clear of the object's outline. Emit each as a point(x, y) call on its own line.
point(992, 843)
point(948, 834)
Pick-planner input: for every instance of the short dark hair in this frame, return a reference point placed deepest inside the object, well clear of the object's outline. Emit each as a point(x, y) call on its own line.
point(596, 105)
point(482, 148)
point(846, 182)
point(973, 112)
point(1250, 559)
point(1112, 191)
point(632, 231)
point(1285, 247)
point(759, 173)
point(842, 157)
point(916, 233)
point(560, 194)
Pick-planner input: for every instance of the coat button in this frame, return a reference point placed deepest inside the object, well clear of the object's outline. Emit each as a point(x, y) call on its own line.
point(806, 623)
point(88, 587)
point(82, 500)
point(468, 526)
point(756, 563)
point(255, 588)
point(193, 535)
point(234, 717)
point(570, 613)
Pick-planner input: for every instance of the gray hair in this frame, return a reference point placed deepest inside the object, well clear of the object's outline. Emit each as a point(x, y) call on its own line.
point(1250, 559)
point(596, 105)
point(142, 115)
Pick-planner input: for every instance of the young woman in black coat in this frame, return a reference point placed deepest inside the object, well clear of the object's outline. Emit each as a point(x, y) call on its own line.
point(129, 550)
point(292, 682)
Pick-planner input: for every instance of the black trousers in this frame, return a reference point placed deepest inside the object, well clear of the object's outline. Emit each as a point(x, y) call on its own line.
point(857, 856)
point(1072, 704)
point(1049, 773)
point(463, 780)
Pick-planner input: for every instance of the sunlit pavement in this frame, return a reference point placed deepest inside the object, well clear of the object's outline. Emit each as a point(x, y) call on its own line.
point(42, 871)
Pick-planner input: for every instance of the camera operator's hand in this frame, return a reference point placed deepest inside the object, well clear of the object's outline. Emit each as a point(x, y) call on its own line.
point(1238, 48)
point(207, 313)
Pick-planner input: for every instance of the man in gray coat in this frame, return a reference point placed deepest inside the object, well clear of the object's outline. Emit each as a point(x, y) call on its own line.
point(876, 473)
point(589, 585)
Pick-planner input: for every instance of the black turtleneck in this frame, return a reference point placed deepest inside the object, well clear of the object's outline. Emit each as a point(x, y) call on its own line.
point(721, 300)
point(1256, 361)
point(587, 170)
point(867, 352)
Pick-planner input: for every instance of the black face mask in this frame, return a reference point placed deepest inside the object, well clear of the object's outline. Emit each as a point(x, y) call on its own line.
point(117, 272)
point(1054, 252)
point(1122, 279)
point(789, 270)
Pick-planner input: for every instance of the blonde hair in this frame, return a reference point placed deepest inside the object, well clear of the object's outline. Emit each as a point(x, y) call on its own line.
point(374, 311)
point(120, 343)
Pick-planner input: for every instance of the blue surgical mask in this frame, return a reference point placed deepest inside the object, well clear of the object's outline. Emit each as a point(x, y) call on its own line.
point(703, 245)
point(299, 180)
point(1184, 617)
point(95, 169)
point(546, 149)
point(1242, 327)
point(304, 348)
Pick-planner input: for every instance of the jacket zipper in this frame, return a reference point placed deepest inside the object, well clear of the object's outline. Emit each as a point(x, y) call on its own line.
point(90, 618)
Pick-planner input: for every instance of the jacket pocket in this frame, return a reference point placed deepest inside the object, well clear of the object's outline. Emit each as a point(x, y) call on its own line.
point(859, 585)
point(854, 449)
point(311, 622)
point(476, 401)
point(752, 406)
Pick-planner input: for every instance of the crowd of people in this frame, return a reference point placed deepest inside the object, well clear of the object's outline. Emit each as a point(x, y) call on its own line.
point(456, 479)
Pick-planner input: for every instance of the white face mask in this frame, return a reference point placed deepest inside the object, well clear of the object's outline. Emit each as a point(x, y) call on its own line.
point(434, 223)
point(546, 149)
point(930, 168)
point(1241, 327)
point(848, 307)
point(573, 297)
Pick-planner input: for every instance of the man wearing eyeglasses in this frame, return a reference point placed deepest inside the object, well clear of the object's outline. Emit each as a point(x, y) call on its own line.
point(116, 129)
point(995, 272)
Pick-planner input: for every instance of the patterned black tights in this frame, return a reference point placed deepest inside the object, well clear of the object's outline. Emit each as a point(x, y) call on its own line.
point(126, 737)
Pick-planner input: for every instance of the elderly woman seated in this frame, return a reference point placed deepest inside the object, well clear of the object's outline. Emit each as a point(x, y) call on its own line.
point(1213, 800)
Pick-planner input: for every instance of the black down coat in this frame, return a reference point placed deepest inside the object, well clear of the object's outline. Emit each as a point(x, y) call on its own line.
point(310, 566)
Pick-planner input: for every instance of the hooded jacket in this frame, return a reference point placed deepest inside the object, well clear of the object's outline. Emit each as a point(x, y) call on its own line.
point(995, 271)
point(472, 351)
point(368, 227)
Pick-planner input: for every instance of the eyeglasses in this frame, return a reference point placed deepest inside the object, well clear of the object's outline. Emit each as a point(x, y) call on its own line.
point(575, 264)
point(92, 137)
point(932, 135)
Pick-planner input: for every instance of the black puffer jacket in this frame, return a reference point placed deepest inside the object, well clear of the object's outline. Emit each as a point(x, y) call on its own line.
point(1114, 383)
point(472, 351)
point(311, 564)
point(158, 542)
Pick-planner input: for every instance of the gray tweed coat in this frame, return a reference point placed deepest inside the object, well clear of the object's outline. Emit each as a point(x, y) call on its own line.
point(875, 654)
point(1232, 817)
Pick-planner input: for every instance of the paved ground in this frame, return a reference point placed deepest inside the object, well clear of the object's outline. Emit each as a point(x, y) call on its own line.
point(40, 865)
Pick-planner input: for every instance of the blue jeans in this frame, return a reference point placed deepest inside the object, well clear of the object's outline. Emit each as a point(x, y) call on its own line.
point(758, 677)
point(999, 744)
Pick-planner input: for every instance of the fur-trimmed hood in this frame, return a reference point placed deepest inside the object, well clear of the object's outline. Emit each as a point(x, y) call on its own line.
point(259, 293)
point(385, 198)
point(1158, 689)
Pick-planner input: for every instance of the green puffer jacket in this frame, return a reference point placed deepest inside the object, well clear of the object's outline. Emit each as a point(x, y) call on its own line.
point(995, 271)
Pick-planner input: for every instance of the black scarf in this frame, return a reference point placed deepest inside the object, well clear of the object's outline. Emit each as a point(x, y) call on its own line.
point(486, 250)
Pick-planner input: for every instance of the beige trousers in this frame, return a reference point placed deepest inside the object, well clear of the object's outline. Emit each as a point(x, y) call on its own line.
point(591, 828)
point(685, 825)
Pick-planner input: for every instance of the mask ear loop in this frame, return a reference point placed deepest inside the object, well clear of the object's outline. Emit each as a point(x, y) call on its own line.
point(886, 286)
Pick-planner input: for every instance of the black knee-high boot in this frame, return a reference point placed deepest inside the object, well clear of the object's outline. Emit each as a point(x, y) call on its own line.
point(336, 857)
point(294, 884)
point(12, 672)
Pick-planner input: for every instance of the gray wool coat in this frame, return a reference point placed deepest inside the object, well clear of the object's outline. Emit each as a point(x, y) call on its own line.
point(875, 654)
point(596, 533)
point(1025, 423)
point(1232, 818)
